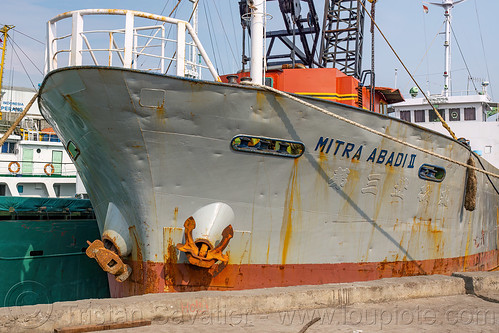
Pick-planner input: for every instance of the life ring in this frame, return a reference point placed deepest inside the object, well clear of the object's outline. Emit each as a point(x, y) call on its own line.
point(51, 169)
point(18, 167)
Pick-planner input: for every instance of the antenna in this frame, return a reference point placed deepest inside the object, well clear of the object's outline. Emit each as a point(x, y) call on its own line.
point(447, 5)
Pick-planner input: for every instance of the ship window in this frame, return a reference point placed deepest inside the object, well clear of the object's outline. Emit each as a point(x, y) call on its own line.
point(57, 190)
point(8, 148)
point(50, 137)
point(454, 114)
point(383, 108)
point(269, 82)
point(20, 189)
point(267, 146)
point(2, 190)
point(469, 114)
point(488, 149)
point(419, 116)
point(433, 117)
point(405, 115)
point(57, 161)
point(73, 151)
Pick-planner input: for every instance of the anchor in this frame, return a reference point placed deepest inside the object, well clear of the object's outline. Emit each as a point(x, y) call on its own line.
point(202, 253)
point(108, 260)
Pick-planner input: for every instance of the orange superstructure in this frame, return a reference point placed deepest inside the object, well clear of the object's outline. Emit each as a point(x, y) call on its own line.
point(329, 84)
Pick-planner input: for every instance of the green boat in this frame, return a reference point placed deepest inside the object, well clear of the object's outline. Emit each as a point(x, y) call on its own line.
point(42, 251)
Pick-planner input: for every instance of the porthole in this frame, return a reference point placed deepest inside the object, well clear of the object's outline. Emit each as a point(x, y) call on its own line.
point(73, 151)
point(432, 173)
point(267, 146)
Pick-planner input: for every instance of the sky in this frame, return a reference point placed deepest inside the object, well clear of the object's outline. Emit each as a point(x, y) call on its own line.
point(415, 36)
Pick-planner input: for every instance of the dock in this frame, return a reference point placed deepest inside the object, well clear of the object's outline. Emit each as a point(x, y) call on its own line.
point(464, 301)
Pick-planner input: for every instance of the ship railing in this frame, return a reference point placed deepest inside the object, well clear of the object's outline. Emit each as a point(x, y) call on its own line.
point(470, 93)
point(32, 135)
point(37, 168)
point(463, 93)
point(138, 45)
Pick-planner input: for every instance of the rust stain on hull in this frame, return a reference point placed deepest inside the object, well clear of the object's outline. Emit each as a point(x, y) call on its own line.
point(184, 277)
point(175, 216)
point(170, 260)
point(468, 242)
point(427, 232)
point(135, 281)
point(497, 226)
point(292, 194)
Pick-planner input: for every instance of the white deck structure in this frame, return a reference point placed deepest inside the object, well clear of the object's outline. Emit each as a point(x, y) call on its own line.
point(33, 162)
point(466, 115)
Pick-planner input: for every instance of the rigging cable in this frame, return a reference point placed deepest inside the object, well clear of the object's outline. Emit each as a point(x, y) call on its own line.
point(216, 42)
point(427, 63)
point(233, 26)
point(427, 49)
point(225, 33)
point(164, 7)
point(24, 68)
point(190, 18)
point(175, 8)
point(150, 34)
point(462, 56)
point(211, 39)
point(483, 167)
point(174, 11)
point(442, 121)
point(483, 49)
point(36, 40)
point(12, 41)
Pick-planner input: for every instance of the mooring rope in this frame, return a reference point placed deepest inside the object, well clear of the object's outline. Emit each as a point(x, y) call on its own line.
point(444, 124)
point(351, 122)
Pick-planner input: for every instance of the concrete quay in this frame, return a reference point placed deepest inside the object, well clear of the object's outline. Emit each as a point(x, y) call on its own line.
point(463, 302)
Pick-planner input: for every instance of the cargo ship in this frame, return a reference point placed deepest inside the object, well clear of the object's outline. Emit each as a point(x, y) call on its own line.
point(297, 178)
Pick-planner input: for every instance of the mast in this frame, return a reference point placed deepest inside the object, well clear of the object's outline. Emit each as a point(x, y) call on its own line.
point(4, 31)
point(447, 50)
point(194, 50)
point(447, 5)
point(256, 70)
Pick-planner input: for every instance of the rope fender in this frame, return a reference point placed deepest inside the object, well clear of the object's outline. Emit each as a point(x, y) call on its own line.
point(471, 187)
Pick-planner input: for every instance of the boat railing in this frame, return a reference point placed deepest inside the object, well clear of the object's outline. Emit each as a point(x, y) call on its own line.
point(33, 135)
point(470, 93)
point(22, 168)
point(142, 43)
